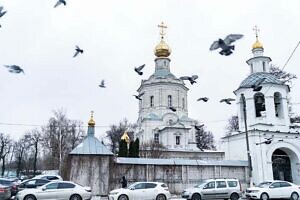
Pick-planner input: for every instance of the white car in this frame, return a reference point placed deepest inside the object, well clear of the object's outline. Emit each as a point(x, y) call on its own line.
point(141, 191)
point(57, 190)
point(48, 177)
point(274, 190)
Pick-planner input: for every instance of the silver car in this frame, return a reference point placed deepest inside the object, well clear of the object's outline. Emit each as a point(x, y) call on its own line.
point(5, 192)
point(58, 190)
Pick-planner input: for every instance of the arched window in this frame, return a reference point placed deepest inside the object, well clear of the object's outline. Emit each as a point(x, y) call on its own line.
point(259, 101)
point(278, 104)
point(264, 66)
point(151, 101)
point(169, 100)
point(177, 140)
point(156, 138)
point(183, 103)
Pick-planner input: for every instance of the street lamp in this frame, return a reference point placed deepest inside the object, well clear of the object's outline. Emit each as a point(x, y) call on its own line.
point(247, 139)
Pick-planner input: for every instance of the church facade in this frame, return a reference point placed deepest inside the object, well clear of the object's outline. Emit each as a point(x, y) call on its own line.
point(161, 91)
point(263, 107)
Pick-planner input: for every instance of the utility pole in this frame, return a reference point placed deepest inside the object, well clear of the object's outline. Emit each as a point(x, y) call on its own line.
point(247, 139)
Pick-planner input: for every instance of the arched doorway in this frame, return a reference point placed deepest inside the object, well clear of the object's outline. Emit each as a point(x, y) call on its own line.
point(281, 165)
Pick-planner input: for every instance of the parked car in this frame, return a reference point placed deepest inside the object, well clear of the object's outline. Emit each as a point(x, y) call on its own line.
point(48, 177)
point(141, 190)
point(274, 190)
point(10, 183)
point(5, 192)
point(32, 183)
point(56, 190)
point(214, 189)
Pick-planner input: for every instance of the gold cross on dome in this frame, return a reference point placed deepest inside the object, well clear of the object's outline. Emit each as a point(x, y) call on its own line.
point(256, 30)
point(92, 114)
point(162, 26)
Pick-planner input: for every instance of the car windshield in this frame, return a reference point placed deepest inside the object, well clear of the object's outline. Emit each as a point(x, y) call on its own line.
point(200, 184)
point(264, 184)
point(131, 186)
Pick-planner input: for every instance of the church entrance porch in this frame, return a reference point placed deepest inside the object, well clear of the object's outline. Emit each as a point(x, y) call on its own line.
point(281, 166)
point(285, 165)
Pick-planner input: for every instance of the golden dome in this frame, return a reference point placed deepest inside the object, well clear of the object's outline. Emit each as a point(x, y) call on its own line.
point(257, 45)
point(125, 137)
point(162, 49)
point(91, 121)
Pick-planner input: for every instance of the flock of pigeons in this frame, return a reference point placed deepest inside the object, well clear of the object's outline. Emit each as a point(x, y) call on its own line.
point(224, 44)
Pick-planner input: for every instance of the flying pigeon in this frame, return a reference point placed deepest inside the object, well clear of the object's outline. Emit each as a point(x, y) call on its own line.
point(198, 127)
point(60, 2)
point(102, 84)
point(257, 86)
point(2, 13)
point(190, 78)
point(139, 96)
point(14, 69)
point(205, 99)
point(225, 44)
point(228, 100)
point(172, 108)
point(139, 69)
point(78, 50)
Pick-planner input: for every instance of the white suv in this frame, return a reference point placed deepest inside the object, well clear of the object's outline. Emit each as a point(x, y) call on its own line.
point(214, 189)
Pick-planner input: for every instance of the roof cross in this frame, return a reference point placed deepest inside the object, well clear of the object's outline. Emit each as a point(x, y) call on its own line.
point(162, 26)
point(256, 30)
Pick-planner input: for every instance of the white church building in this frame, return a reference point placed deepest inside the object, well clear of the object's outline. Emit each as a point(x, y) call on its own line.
point(274, 143)
point(162, 90)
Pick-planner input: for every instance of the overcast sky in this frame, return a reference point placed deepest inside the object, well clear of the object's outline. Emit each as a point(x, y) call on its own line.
point(119, 35)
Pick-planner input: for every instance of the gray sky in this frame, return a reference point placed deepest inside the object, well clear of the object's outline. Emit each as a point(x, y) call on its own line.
point(118, 35)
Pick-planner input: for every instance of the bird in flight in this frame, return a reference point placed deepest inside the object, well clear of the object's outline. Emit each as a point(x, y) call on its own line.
point(78, 50)
point(257, 86)
point(102, 84)
point(139, 69)
point(139, 96)
point(172, 108)
point(205, 99)
point(2, 12)
point(225, 44)
point(14, 69)
point(192, 78)
point(198, 127)
point(60, 2)
point(227, 100)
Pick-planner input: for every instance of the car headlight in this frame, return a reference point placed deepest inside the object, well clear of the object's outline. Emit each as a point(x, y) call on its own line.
point(113, 193)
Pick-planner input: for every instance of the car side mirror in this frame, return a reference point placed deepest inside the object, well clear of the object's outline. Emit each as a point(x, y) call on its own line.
point(132, 188)
point(43, 188)
point(271, 186)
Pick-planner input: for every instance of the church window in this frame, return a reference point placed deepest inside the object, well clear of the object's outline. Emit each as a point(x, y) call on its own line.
point(156, 138)
point(278, 104)
point(151, 101)
point(251, 67)
point(169, 100)
point(177, 140)
point(183, 103)
point(259, 101)
point(264, 66)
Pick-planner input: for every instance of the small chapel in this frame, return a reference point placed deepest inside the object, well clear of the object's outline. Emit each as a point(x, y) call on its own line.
point(274, 143)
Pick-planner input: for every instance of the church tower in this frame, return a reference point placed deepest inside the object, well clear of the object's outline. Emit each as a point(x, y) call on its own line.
point(262, 105)
point(162, 90)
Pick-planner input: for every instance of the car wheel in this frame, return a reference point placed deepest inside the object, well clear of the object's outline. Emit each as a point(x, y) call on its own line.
point(196, 196)
point(264, 196)
point(123, 197)
point(234, 196)
point(75, 197)
point(161, 197)
point(294, 196)
point(29, 197)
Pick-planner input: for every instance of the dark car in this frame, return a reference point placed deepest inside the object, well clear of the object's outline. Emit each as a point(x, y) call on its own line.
point(5, 192)
point(10, 183)
point(32, 183)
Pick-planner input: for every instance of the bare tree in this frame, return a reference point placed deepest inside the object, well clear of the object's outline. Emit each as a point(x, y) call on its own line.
point(21, 148)
point(284, 76)
point(34, 138)
point(152, 150)
point(115, 133)
point(205, 139)
point(60, 136)
point(5, 149)
point(233, 124)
